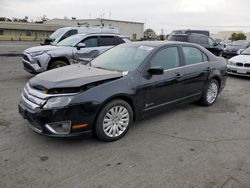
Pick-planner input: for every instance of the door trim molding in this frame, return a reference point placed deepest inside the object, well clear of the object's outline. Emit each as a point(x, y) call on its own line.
point(171, 102)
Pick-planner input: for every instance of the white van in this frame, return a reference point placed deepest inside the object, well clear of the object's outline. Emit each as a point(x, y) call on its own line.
point(65, 32)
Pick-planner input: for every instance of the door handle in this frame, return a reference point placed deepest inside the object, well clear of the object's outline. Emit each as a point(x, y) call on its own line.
point(209, 69)
point(178, 75)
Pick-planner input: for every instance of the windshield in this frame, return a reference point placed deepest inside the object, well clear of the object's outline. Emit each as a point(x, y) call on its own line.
point(240, 43)
point(246, 52)
point(122, 58)
point(70, 41)
point(57, 33)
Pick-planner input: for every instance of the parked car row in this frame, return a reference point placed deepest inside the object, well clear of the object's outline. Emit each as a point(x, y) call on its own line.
point(114, 82)
point(125, 83)
point(198, 38)
point(227, 49)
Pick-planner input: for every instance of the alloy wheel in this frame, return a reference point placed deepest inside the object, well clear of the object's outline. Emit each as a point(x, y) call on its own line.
point(212, 92)
point(116, 121)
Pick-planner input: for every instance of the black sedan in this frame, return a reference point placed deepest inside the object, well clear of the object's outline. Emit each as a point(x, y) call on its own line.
point(235, 48)
point(126, 83)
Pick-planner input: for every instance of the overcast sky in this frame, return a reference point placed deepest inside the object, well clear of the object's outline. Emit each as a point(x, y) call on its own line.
point(214, 15)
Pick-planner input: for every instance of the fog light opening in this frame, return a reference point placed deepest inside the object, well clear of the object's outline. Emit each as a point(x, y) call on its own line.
point(59, 127)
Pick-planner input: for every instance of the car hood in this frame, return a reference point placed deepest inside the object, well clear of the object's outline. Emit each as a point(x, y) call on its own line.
point(72, 76)
point(241, 58)
point(45, 48)
point(234, 48)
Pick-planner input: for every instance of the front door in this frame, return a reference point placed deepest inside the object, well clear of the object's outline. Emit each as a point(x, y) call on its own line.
point(161, 90)
point(90, 51)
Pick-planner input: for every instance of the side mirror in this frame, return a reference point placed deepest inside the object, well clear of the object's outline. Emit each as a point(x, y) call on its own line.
point(216, 44)
point(80, 45)
point(156, 71)
point(47, 41)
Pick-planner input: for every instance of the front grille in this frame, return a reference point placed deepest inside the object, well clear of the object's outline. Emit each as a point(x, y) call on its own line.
point(25, 57)
point(247, 64)
point(31, 98)
point(239, 64)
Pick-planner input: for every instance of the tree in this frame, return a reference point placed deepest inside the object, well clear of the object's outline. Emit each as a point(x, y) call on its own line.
point(149, 34)
point(4, 19)
point(42, 19)
point(238, 36)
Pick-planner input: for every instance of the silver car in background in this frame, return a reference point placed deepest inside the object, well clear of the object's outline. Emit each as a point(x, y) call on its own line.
point(240, 64)
point(74, 49)
point(65, 32)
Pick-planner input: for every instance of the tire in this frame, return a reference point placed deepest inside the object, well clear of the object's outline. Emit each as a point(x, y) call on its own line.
point(113, 121)
point(210, 93)
point(57, 64)
point(220, 54)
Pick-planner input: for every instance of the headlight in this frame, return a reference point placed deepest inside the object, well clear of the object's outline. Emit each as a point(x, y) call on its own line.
point(57, 102)
point(36, 53)
point(231, 63)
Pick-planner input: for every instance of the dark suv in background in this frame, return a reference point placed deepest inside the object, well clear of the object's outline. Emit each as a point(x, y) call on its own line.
point(197, 38)
point(235, 48)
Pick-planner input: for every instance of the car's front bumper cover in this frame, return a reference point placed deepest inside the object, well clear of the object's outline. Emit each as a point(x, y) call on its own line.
point(35, 64)
point(38, 119)
point(236, 70)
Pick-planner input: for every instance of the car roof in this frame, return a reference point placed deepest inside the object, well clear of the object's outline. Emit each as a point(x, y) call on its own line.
point(187, 34)
point(101, 34)
point(159, 43)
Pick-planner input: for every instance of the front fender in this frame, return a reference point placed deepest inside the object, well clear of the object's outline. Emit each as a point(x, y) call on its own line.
point(98, 96)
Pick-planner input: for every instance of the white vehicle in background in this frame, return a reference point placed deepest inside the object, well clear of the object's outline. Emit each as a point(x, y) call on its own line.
point(240, 64)
point(65, 32)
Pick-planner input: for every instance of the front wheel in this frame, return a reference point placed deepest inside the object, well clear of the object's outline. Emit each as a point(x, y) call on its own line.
point(220, 54)
point(57, 64)
point(210, 93)
point(114, 120)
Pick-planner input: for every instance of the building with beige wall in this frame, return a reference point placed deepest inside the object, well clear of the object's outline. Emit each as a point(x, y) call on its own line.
point(26, 31)
point(134, 30)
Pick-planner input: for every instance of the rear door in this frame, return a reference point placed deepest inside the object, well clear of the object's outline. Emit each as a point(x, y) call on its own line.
point(106, 42)
point(197, 69)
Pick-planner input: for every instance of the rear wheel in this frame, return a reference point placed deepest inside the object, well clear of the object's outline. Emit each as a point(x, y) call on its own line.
point(220, 54)
point(57, 64)
point(113, 121)
point(210, 93)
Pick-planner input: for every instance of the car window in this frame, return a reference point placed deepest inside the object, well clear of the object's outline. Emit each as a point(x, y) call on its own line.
point(192, 55)
point(90, 42)
point(211, 42)
point(107, 41)
point(119, 40)
point(167, 58)
point(68, 34)
point(122, 57)
point(73, 32)
point(205, 58)
point(204, 40)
